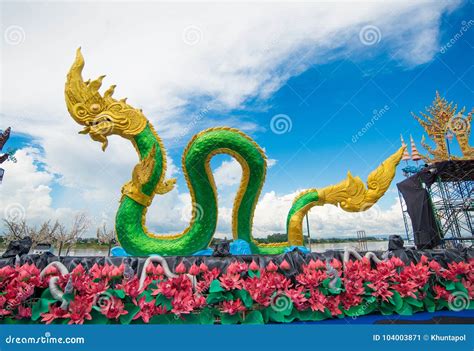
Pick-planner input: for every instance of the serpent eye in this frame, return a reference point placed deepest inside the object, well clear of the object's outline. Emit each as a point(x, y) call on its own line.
point(95, 108)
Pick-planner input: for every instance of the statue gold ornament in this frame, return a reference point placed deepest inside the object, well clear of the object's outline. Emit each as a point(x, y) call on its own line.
point(442, 118)
point(103, 116)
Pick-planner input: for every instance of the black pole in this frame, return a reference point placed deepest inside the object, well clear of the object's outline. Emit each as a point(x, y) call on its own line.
point(309, 235)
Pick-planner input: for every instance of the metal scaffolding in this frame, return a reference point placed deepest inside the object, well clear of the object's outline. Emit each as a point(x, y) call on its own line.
point(452, 201)
point(406, 219)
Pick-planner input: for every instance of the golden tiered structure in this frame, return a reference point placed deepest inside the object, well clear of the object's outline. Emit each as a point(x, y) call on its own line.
point(441, 118)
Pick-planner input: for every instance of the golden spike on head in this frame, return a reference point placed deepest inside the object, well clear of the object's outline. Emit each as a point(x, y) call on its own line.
point(96, 84)
point(109, 92)
point(101, 115)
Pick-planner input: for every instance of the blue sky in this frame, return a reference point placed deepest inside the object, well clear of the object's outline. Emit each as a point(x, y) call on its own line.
point(324, 79)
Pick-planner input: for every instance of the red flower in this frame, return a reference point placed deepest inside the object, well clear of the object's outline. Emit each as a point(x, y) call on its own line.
point(231, 281)
point(4, 311)
point(113, 308)
point(435, 266)
point(349, 300)
point(316, 264)
point(130, 287)
point(24, 312)
point(271, 267)
point(317, 301)
point(180, 268)
point(194, 269)
point(55, 312)
point(183, 302)
point(28, 273)
point(284, 265)
point(237, 267)
point(332, 304)
point(254, 266)
point(354, 287)
point(311, 277)
point(79, 310)
point(297, 296)
point(233, 307)
point(203, 267)
point(171, 287)
point(441, 292)
point(147, 310)
point(336, 264)
point(380, 288)
point(469, 285)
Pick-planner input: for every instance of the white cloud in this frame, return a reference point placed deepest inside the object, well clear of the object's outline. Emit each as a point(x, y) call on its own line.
point(326, 221)
point(230, 172)
point(238, 52)
point(25, 192)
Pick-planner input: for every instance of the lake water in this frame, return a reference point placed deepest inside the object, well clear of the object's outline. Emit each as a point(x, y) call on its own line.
point(371, 245)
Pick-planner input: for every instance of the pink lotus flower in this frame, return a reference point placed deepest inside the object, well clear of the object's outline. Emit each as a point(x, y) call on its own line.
point(156, 272)
point(113, 308)
point(317, 301)
point(441, 292)
point(183, 302)
point(180, 268)
point(54, 313)
point(79, 310)
point(171, 287)
point(332, 304)
point(233, 307)
point(237, 267)
point(4, 311)
point(203, 267)
point(254, 266)
point(311, 277)
point(231, 281)
point(194, 269)
point(284, 265)
point(24, 312)
point(318, 264)
point(130, 287)
point(298, 297)
point(354, 287)
point(147, 310)
point(349, 300)
point(271, 267)
point(380, 288)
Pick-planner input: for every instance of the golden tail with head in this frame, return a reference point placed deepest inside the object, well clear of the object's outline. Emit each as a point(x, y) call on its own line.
point(351, 195)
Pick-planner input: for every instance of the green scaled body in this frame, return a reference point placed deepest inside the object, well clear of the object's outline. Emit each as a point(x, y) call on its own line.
point(132, 233)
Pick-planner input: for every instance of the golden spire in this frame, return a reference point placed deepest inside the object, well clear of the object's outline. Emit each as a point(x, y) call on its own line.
point(406, 155)
point(440, 118)
point(415, 155)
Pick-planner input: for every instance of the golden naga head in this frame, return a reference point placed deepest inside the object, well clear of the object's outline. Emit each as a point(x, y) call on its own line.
point(101, 115)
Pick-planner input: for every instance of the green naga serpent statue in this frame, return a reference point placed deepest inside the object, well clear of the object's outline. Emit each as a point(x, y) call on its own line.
point(102, 115)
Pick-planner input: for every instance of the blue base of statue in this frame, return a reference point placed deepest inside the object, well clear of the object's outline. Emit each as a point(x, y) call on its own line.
point(237, 247)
